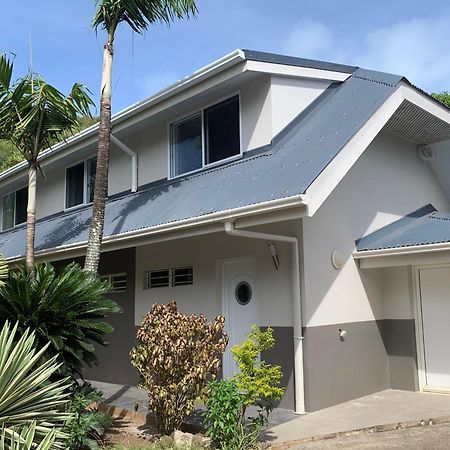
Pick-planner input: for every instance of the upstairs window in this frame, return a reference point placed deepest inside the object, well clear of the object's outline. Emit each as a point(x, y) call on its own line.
point(14, 208)
point(207, 137)
point(80, 181)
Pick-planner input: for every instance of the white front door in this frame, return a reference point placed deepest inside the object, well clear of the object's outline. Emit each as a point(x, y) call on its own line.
point(239, 304)
point(435, 306)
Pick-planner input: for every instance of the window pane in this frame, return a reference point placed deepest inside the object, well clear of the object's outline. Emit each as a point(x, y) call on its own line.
point(92, 167)
point(186, 145)
point(8, 211)
point(222, 130)
point(75, 185)
point(21, 205)
point(157, 278)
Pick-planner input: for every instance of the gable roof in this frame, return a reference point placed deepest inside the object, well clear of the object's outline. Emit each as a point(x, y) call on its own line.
point(425, 226)
point(283, 169)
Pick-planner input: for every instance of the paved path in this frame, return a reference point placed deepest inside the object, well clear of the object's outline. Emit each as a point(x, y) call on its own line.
point(434, 437)
point(386, 407)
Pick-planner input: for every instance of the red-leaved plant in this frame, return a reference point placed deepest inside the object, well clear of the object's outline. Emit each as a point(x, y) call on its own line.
point(176, 355)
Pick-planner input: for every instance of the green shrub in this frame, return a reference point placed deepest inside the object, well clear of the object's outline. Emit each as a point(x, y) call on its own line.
point(3, 271)
point(88, 425)
point(176, 355)
point(223, 406)
point(67, 309)
point(25, 391)
point(255, 384)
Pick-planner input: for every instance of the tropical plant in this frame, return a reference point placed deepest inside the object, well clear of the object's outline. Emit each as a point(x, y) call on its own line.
point(256, 383)
point(443, 97)
point(24, 438)
point(68, 309)
point(138, 15)
point(3, 271)
point(87, 425)
point(26, 394)
point(33, 116)
point(176, 355)
point(10, 156)
point(223, 405)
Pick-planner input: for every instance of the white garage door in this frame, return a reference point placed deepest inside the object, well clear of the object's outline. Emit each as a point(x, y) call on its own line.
point(435, 301)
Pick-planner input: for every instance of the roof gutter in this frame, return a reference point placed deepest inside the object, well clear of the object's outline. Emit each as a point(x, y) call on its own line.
point(397, 251)
point(293, 202)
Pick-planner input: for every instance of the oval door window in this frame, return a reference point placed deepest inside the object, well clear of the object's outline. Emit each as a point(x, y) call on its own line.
point(243, 293)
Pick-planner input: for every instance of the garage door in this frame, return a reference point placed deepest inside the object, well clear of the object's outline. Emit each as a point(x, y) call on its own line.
point(435, 302)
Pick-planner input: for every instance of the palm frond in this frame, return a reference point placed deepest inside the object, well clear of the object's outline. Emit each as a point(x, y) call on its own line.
point(3, 271)
point(139, 14)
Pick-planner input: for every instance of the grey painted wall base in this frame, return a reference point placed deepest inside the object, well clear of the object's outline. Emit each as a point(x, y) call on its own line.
point(375, 355)
point(283, 355)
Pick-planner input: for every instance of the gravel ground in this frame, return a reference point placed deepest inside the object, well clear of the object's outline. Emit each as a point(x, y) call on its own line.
point(433, 437)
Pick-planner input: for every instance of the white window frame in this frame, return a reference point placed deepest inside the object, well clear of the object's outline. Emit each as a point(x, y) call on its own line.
point(170, 270)
point(172, 276)
point(201, 111)
point(85, 163)
point(1, 209)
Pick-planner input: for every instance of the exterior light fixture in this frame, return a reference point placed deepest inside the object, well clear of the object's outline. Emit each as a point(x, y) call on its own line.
point(273, 252)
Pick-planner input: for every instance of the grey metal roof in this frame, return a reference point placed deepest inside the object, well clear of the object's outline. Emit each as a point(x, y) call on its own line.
point(422, 227)
point(283, 169)
point(253, 55)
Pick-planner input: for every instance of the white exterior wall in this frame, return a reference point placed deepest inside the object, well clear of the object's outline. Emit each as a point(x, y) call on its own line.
point(290, 96)
point(204, 296)
point(386, 183)
point(397, 293)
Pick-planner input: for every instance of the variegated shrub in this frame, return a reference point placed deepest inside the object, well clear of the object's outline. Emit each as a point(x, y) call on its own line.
point(176, 355)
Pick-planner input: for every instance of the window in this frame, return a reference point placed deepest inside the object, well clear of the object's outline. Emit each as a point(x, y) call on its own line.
point(182, 276)
point(80, 181)
point(204, 138)
point(157, 278)
point(14, 208)
point(118, 281)
point(179, 276)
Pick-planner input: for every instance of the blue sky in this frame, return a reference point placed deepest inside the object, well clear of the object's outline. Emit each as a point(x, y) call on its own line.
point(410, 37)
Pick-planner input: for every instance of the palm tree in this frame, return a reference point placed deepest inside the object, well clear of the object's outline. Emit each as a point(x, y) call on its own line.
point(33, 116)
point(138, 15)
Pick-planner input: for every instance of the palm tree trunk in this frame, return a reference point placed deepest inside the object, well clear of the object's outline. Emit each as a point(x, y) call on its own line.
point(31, 215)
point(101, 177)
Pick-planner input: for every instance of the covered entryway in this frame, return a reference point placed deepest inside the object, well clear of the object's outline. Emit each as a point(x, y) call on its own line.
point(434, 293)
point(240, 304)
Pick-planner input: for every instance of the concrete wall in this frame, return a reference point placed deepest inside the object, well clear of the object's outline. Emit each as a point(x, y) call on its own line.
point(387, 182)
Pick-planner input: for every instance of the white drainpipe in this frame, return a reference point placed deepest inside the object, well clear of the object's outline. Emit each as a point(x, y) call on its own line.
point(297, 305)
point(134, 166)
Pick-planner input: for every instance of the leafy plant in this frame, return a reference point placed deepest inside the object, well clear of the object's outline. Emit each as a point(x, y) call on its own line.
point(443, 97)
point(3, 271)
point(257, 381)
point(67, 309)
point(223, 405)
point(176, 355)
point(24, 439)
point(255, 384)
point(88, 425)
point(25, 392)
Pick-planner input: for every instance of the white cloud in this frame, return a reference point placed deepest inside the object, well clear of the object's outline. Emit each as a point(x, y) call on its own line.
point(309, 39)
point(416, 48)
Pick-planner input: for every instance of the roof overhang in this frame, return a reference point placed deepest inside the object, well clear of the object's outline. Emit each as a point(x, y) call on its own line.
point(404, 256)
point(408, 112)
point(281, 210)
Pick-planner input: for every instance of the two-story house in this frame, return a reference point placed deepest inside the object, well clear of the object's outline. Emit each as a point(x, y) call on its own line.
point(306, 196)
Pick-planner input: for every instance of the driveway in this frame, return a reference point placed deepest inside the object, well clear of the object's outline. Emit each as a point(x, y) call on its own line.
point(436, 437)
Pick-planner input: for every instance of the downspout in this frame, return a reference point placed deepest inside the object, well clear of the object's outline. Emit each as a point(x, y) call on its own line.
point(134, 166)
point(297, 306)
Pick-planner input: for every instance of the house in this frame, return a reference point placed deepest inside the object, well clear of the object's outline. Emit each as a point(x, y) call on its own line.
point(302, 195)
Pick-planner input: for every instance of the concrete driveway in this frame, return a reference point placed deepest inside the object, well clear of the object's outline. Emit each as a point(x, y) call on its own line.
point(436, 437)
